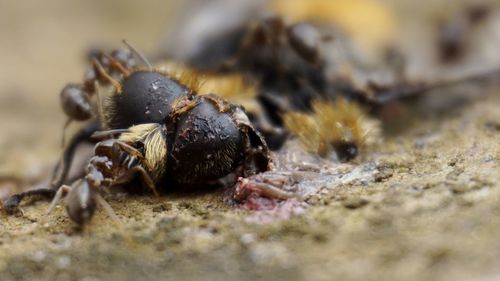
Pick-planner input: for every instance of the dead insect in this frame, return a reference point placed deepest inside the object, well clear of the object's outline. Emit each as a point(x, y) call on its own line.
point(159, 130)
point(288, 64)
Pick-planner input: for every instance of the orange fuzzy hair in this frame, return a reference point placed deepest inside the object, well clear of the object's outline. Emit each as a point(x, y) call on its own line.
point(228, 86)
point(330, 124)
point(232, 87)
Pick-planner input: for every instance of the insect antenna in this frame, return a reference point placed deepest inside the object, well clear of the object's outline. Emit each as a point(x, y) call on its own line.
point(138, 54)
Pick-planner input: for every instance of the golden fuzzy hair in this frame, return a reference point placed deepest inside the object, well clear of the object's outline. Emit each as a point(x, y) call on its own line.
point(183, 74)
point(227, 86)
point(232, 86)
point(191, 79)
point(329, 124)
point(155, 146)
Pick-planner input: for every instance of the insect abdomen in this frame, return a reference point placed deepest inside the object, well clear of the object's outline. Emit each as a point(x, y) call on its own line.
point(208, 145)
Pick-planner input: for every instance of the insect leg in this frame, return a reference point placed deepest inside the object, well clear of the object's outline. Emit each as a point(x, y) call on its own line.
point(130, 150)
point(147, 180)
point(106, 207)
point(57, 198)
point(61, 170)
point(116, 64)
point(100, 69)
point(66, 125)
point(102, 135)
point(12, 203)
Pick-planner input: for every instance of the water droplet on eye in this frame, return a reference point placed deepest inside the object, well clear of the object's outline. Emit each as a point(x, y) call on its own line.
point(155, 85)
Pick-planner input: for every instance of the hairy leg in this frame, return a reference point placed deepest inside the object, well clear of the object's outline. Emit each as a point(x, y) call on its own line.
point(147, 180)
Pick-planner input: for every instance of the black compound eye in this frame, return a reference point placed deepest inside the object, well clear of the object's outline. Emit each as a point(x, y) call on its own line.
point(146, 97)
point(346, 151)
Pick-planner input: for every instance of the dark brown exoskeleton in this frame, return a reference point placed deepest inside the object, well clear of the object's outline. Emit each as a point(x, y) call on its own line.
point(114, 162)
point(158, 130)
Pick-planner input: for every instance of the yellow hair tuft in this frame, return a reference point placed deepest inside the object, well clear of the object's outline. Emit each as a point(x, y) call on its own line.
point(330, 124)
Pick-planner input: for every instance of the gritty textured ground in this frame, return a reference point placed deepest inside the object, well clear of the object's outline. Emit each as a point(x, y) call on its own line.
point(422, 204)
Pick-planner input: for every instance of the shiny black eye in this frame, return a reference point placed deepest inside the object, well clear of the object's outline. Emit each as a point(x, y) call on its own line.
point(346, 151)
point(146, 97)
